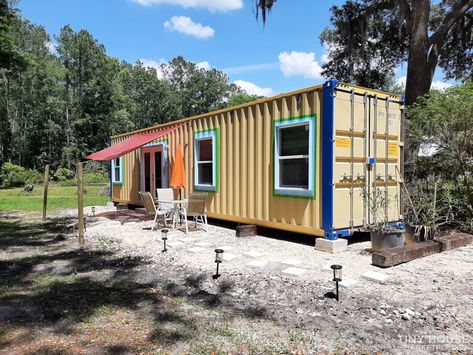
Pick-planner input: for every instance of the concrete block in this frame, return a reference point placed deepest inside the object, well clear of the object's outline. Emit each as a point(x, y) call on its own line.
point(225, 247)
point(294, 271)
point(258, 264)
point(331, 246)
point(229, 256)
point(174, 243)
point(292, 262)
point(347, 283)
point(375, 276)
point(196, 250)
point(454, 241)
point(253, 254)
point(203, 244)
point(327, 268)
point(246, 230)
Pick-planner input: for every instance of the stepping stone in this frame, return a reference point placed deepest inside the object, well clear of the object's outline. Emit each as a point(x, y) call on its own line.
point(375, 276)
point(253, 254)
point(327, 268)
point(226, 247)
point(259, 264)
point(196, 250)
point(292, 262)
point(229, 256)
point(186, 240)
point(203, 244)
point(347, 283)
point(294, 271)
point(174, 244)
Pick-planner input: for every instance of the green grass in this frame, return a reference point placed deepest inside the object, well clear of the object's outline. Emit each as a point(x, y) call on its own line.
point(58, 197)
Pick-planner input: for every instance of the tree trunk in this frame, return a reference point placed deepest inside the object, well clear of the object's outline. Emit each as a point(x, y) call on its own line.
point(420, 70)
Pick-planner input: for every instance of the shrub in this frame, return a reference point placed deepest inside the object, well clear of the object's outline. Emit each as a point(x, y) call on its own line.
point(96, 178)
point(12, 175)
point(63, 174)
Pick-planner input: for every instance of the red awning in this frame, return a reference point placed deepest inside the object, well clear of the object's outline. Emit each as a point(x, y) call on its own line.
point(128, 145)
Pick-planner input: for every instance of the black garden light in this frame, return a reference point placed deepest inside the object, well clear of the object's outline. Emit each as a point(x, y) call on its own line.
point(218, 260)
point(93, 210)
point(337, 276)
point(164, 237)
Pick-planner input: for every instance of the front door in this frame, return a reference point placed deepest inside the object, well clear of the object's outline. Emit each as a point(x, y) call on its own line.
point(153, 175)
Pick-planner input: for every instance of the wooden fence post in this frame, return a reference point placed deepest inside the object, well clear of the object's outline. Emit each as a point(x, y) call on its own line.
point(45, 196)
point(80, 202)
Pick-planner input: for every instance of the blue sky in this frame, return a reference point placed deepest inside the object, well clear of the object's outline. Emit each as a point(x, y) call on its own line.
point(285, 55)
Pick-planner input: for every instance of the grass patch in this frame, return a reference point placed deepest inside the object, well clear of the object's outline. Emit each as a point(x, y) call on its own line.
point(58, 197)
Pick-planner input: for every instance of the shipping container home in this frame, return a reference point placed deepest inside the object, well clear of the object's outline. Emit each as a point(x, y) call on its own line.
point(305, 161)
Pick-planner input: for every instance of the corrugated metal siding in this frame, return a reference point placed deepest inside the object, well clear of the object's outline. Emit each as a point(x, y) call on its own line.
point(246, 162)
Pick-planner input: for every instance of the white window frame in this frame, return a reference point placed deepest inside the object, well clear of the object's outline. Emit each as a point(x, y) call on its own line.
point(279, 190)
point(200, 136)
point(120, 169)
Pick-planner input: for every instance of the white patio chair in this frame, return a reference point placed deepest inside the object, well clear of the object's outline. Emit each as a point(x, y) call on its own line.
point(166, 194)
point(151, 209)
point(195, 208)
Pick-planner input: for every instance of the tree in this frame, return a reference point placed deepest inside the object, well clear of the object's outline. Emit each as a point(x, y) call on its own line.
point(243, 98)
point(371, 37)
point(199, 90)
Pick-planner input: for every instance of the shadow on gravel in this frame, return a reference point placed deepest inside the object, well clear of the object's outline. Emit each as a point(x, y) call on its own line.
point(65, 287)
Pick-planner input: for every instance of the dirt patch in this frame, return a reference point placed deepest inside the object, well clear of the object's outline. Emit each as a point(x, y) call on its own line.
point(122, 294)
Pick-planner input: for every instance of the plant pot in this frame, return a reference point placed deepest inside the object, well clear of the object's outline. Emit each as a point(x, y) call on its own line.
point(384, 240)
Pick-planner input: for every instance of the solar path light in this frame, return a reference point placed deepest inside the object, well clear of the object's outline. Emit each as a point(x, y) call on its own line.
point(164, 237)
point(337, 276)
point(93, 211)
point(218, 260)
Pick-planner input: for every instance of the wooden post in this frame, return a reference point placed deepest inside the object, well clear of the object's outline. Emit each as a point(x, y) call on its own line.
point(45, 196)
point(80, 202)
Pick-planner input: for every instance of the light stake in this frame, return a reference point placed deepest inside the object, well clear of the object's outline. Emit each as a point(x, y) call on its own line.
point(337, 276)
point(93, 211)
point(164, 237)
point(218, 260)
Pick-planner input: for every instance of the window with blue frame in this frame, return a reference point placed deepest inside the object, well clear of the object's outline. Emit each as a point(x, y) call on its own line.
point(117, 170)
point(206, 161)
point(294, 157)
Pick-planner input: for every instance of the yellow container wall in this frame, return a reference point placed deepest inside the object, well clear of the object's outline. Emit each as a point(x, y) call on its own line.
point(245, 191)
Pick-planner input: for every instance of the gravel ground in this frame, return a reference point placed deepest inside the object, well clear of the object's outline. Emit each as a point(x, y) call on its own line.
point(425, 306)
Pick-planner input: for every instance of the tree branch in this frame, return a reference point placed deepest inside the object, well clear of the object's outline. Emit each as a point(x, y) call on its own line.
point(457, 11)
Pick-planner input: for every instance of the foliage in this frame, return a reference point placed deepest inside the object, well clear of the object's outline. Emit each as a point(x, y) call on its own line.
point(96, 178)
point(370, 38)
point(59, 104)
point(240, 99)
point(444, 121)
point(63, 174)
point(12, 175)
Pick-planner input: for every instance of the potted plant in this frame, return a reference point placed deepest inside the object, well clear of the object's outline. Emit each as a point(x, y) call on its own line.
point(384, 234)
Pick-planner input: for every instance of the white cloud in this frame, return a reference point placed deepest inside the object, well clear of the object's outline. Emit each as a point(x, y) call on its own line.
point(253, 89)
point(440, 85)
point(204, 65)
point(212, 5)
point(150, 63)
point(184, 24)
point(436, 85)
point(300, 63)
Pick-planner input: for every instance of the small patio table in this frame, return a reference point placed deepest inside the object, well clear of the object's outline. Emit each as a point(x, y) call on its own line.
point(176, 204)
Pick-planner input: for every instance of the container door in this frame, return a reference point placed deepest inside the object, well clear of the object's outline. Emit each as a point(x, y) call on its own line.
point(351, 152)
point(385, 160)
point(153, 174)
